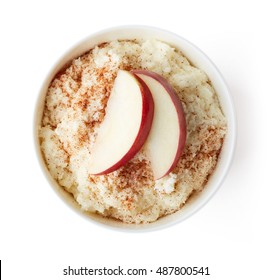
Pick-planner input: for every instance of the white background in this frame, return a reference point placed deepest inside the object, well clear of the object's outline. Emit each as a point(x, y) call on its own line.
point(39, 235)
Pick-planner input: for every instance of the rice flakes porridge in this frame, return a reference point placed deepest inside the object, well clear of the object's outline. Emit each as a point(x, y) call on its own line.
point(75, 107)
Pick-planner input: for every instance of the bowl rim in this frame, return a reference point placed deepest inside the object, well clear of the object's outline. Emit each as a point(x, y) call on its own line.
point(154, 225)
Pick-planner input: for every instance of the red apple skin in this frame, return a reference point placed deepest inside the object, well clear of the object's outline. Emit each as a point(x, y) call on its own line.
point(144, 130)
point(180, 112)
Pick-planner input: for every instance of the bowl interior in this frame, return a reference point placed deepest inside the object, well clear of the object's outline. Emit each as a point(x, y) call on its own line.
point(198, 59)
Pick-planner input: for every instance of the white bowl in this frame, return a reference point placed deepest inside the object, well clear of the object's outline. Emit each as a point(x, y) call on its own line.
point(197, 58)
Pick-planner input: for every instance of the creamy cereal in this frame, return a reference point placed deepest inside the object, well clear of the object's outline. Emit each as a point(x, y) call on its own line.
point(75, 107)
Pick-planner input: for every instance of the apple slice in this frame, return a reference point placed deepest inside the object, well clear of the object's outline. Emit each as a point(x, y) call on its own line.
point(167, 137)
point(126, 125)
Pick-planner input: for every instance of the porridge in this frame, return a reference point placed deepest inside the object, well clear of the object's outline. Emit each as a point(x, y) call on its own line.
point(75, 107)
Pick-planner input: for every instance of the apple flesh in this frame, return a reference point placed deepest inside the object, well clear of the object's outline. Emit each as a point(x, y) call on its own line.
point(126, 125)
point(167, 137)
